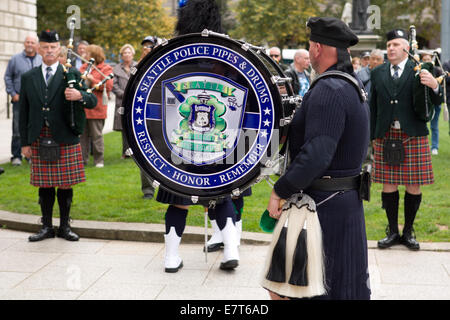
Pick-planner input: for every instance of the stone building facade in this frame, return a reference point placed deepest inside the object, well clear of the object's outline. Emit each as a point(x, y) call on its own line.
point(17, 20)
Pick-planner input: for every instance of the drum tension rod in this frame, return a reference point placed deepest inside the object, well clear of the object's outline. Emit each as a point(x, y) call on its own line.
point(207, 33)
point(279, 80)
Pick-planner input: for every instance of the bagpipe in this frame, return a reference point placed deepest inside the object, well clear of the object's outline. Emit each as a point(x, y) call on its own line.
point(422, 104)
point(442, 80)
point(76, 115)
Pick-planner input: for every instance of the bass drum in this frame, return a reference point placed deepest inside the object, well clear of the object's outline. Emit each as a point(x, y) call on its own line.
point(202, 115)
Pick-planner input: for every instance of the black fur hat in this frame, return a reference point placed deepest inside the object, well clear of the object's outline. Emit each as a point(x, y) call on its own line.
point(197, 15)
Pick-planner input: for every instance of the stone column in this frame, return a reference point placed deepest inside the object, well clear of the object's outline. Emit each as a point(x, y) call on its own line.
point(17, 20)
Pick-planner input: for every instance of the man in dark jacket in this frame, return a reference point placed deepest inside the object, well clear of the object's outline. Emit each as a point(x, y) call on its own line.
point(376, 59)
point(298, 72)
point(393, 119)
point(47, 138)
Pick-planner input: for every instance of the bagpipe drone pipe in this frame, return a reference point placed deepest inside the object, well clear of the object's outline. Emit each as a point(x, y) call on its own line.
point(75, 114)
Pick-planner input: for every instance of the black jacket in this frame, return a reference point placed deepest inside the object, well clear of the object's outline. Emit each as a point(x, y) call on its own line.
point(292, 73)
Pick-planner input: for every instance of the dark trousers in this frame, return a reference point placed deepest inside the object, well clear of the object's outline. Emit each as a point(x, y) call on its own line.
point(146, 186)
point(16, 150)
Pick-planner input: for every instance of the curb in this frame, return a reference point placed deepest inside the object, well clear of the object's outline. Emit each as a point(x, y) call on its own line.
point(144, 232)
point(147, 232)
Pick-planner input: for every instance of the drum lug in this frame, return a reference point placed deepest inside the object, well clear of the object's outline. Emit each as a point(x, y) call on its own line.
point(164, 42)
point(205, 33)
point(236, 192)
point(133, 70)
point(194, 199)
point(129, 152)
point(245, 46)
point(155, 184)
point(285, 121)
point(269, 164)
point(121, 110)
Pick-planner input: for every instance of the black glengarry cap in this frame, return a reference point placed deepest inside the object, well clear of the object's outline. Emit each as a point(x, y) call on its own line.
point(49, 36)
point(397, 34)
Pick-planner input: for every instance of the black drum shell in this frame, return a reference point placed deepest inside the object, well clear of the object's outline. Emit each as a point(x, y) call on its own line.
point(266, 67)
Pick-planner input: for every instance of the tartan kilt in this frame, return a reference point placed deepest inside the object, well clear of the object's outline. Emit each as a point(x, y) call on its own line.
point(67, 171)
point(417, 167)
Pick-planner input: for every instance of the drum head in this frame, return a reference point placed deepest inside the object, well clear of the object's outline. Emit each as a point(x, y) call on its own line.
point(201, 115)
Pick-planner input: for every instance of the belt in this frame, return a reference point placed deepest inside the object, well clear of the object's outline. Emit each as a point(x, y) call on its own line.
point(336, 184)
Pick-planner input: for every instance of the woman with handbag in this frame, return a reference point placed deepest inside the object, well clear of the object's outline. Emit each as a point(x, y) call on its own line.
point(95, 118)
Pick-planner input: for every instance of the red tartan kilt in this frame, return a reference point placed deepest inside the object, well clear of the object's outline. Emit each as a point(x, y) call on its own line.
point(65, 172)
point(416, 169)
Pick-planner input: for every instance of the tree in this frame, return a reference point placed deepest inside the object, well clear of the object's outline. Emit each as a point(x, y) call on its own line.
point(424, 14)
point(108, 23)
point(274, 22)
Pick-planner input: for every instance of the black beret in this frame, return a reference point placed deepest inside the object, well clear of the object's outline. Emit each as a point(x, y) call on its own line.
point(49, 36)
point(397, 33)
point(332, 32)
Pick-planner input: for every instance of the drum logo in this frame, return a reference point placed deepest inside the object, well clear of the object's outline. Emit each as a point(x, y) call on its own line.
point(202, 116)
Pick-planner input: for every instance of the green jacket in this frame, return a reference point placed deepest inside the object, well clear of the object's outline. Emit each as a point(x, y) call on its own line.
point(39, 102)
point(393, 100)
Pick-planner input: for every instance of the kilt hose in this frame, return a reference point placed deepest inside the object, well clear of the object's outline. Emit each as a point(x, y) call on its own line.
point(417, 167)
point(67, 171)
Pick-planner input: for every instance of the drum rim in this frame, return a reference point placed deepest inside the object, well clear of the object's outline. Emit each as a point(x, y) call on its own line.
point(133, 83)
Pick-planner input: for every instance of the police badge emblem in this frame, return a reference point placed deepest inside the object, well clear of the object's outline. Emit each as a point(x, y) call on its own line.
point(198, 124)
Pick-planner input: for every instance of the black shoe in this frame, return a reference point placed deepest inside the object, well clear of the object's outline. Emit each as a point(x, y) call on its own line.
point(229, 265)
point(2, 170)
point(148, 196)
point(174, 270)
point(67, 233)
point(389, 241)
point(214, 247)
point(44, 233)
point(410, 241)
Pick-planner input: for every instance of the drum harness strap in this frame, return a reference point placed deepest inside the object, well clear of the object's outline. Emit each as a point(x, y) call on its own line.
point(340, 185)
point(343, 75)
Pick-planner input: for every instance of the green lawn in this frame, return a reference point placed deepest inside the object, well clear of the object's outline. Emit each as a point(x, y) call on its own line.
point(113, 193)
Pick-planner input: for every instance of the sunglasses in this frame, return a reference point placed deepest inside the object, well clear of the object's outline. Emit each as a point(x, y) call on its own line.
point(274, 55)
point(148, 47)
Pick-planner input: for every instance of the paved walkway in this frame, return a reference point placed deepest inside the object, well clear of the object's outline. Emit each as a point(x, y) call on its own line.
point(105, 264)
point(117, 269)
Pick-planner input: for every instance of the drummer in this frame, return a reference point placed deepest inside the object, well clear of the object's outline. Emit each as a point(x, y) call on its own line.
point(195, 16)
